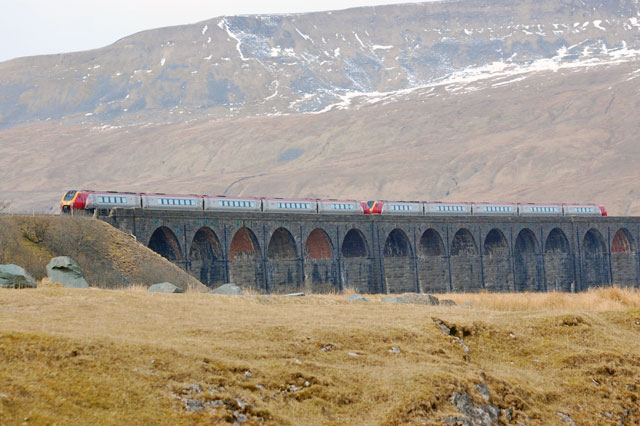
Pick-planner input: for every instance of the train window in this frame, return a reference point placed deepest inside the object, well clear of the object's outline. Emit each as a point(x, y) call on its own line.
point(69, 195)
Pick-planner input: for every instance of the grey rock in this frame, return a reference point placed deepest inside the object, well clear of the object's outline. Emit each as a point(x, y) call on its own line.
point(228, 289)
point(357, 298)
point(294, 295)
point(395, 350)
point(420, 299)
point(392, 299)
point(165, 287)
point(328, 348)
point(483, 390)
point(192, 404)
point(469, 305)
point(565, 418)
point(66, 271)
point(14, 276)
point(480, 415)
point(447, 302)
point(240, 418)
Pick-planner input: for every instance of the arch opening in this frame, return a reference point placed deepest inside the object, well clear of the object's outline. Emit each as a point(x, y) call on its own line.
point(466, 269)
point(498, 275)
point(164, 242)
point(594, 260)
point(357, 270)
point(282, 245)
point(320, 270)
point(398, 274)
point(283, 266)
point(318, 245)
point(528, 270)
point(205, 257)
point(558, 261)
point(432, 266)
point(245, 267)
point(623, 259)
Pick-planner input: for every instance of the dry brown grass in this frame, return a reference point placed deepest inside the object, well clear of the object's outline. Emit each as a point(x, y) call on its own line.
point(127, 357)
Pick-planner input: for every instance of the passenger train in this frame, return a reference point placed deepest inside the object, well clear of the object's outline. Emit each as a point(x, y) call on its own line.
point(89, 201)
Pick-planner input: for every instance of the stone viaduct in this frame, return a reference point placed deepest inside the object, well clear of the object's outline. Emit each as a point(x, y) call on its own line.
point(281, 253)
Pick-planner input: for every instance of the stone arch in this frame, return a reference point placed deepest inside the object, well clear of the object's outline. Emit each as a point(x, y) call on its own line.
point(164, 242)
point(205, 257)
point(319, 269)
point(558, 261)
point(498, 274)
point(245, 266)
point(398, 273)
point(528, 273)
point(594, 259)
point(623, 259)
point(466, 268)
point(283, 266)
point(432, 265)
point(357, 267)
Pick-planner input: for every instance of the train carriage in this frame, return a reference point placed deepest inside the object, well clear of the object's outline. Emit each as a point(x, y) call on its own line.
point(293, 205)
point(112, 199)
point(583, 210)
point(404, 208)
point(340, 207)
point(446, 209)
point(533, 209)
point(229, 204)
point(171, 202)
point(494, 209)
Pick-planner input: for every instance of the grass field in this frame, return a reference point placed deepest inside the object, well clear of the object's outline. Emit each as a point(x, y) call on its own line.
point(131, 357)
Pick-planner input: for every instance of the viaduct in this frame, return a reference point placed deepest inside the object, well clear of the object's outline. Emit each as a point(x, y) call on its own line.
point(282, 253)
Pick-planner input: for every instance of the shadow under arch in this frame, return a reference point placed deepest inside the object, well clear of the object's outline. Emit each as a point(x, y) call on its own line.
point(498, 275)
point(245, 263)
point(164, 242)
point(397, 261)
point(594, 260)
point(527, 268)
point(432, 263)
point(624, 259)
point(466, 269)
point(283, 268)
point(320, 270)
point(558, 261)
point(205, 257)
point(356, 267)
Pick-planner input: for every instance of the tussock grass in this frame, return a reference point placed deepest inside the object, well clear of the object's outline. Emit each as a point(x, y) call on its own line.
point(132, 357)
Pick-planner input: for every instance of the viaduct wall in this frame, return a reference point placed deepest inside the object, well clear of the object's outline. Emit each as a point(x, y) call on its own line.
point(280, 253)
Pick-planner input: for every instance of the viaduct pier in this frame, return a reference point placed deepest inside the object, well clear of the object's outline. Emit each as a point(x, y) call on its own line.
point(282, 253)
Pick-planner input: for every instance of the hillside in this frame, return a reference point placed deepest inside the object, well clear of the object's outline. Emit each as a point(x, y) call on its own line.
point(108, 257)
point(470, 100)
point(141, 358)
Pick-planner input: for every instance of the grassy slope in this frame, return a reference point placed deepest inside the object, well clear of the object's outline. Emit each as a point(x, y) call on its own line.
point(108, 257)
point(121, 357)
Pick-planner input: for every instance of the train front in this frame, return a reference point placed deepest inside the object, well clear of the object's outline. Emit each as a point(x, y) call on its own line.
point(73, 200)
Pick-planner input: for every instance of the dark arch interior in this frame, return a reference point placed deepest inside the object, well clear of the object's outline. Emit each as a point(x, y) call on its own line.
point(164, 242)
point(397, 244)
point(463, 244)
point(281, 245)
point(318, 245)
point(431, 243)
point(204, 252)
point(526, 242)
point(593, 242)
point(622, 242)
point(557, 242)
point(243, 244)
point(495, 244)
point(353, 244)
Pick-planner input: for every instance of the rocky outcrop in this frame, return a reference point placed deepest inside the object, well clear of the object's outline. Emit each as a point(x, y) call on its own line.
point(66, 271)
point(228, 289)
point(165, 288)
point(14, 276)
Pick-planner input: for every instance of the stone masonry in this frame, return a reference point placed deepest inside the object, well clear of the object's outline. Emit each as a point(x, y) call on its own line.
point(282, 253)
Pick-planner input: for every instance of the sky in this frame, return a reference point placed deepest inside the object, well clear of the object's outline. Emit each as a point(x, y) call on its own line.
point(37, 27)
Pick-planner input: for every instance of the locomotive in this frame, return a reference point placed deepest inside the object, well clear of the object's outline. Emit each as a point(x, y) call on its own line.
point(89, 201)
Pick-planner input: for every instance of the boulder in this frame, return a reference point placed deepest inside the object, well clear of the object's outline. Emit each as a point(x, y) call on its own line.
point(66, 271)
point(393, 299)
point(357, 298)
point(165, 288)
point(13, 276)
point(294, 295)
point(447, 302)
point(420, 299)
point(228, 289)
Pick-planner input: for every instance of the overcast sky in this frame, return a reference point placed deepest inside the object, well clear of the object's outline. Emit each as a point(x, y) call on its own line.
point(36, 27)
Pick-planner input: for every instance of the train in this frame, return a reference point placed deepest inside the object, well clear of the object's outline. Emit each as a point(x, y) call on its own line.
point(90, 201)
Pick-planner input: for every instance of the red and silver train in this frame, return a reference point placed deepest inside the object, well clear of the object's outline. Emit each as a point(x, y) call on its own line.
point(90, 200)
